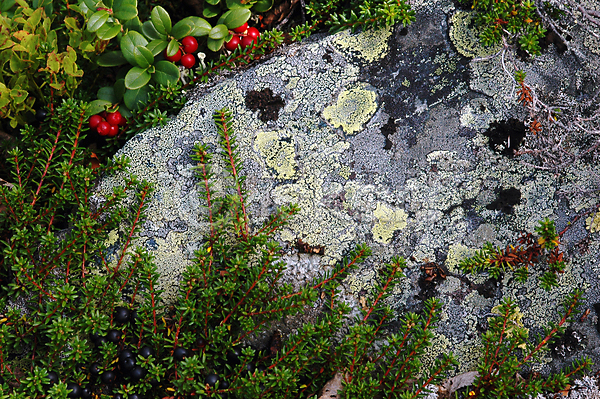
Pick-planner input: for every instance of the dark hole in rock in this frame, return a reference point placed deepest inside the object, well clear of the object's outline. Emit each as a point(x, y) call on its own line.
point(552, 38)
point(388, 129)
point(328, 58)
point(432, 274)
point(505, 200)
point(597, 309)
point(568, 344)
point(403, 31)
point(506, 136)
point(489, 288)
point(266, 103)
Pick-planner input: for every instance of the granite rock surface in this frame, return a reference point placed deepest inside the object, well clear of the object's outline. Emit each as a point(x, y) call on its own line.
point(380, 138)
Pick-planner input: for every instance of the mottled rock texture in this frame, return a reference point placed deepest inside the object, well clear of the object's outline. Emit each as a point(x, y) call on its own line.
point(379, 137)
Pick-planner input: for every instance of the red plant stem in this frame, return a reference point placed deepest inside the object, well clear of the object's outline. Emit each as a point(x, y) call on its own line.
point(263, 270)
point(152, 301)
point(431, 378)
point(47, 166)
point(381, 292)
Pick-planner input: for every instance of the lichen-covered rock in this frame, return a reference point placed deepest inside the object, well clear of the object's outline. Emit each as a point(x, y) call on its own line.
point(380, 139)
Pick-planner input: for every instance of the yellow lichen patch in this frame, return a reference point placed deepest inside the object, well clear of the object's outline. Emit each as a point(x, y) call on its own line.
point(370, 45)
point(593, 222)
point(456, 253)
point(277, 154)
point(353, 108)
point(465, 36)
point(388, 221)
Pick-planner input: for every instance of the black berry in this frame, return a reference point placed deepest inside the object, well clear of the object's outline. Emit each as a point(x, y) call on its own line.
point(75, 390)
point(135, 396)
point(108, 377)
point(114, 336)
point(233, 357)
point(223, 384)
point(40, 115)
point(125, 354)
point(146, 352)
point(117, 396)
point(133, 316)
point(86, 393)
point(101, 341)
point(94, 369)
point(121, 315)
point(250, 367)
point(137, 373)
point(53, 377)
point(127, 364)
point(211, 379)
point(180, 354)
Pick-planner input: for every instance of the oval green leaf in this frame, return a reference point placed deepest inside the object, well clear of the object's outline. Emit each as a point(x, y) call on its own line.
point(96, 106)
point(143, 57)
point(108, 31)
point(136, 77)
point(218, 32)
point(157, 46)
point(161, 20)
point(214, 45)
point(111, 59)
point(128, 43)
point(213, 2)
point(231, 4)
point(97, 20)
point(262, 5)
point(201, 26)
point(135, 99)
point(119, 88)
point(107, 93)
point(166, 73)
point(182, 29)
point(133, 24)
point(150, 31)
point(210, 11)
point(236, 17)
point(125, 9)
point(172, 47)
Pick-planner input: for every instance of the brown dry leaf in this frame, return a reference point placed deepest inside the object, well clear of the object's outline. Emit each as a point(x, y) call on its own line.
point(331, 388)
point(449, 386)
point(363, 302)
point(278, 13)
point(95, 161)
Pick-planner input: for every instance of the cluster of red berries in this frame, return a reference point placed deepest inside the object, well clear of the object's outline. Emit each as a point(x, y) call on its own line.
point(190, 45)
point(107, 124)
point(245, 37)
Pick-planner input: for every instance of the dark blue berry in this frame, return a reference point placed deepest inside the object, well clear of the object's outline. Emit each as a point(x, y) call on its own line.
point(146, 352)
point(180, 354)
point(114, 336)
point(75, 390)
point(121, 315)
point(211, 379)
point(108, 377)
point(53, 377)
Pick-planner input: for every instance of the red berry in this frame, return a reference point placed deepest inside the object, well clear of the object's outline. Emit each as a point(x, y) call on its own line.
point(233, 43)
point(253, 33)
point(190, 44)
point(103, 114)
point(248, 41)
point(241, 29)
point(103, 128)
point(114, 130)
point(188, 61)
point(173, 58)
point(95, 120)
point(114, 118)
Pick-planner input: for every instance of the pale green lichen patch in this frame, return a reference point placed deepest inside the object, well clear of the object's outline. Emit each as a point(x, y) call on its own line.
point(388, 221)
point(277, 154)
point(593, 222)
point(465, 36)
point(353, 108)
point(456, 253)
point(369, 46)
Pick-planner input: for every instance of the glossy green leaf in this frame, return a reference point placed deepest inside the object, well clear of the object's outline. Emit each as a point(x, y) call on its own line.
point(90, 4)
point(134, 24)
point(96, 106)
point(235, 18)
point(97, 20)
point(136, 78)
point(128, 43)
point(210, 11)
point(262, 5)
point(111, 59)
point(218, 32)
point(157, 46)
point(166, 73)
point(191, 26)
point(150, 31)
point(214, 45)
point(135, 99)
point(119, 89)
point(161, 20)
point(107, 93)
point(231, 4)
point(172, 47)
point(108, 31)
point(213, 2)
point(143, 57)
point(125, 9)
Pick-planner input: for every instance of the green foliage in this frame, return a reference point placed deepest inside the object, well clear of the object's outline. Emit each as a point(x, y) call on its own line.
point(508, 349)
point(366, 14)
point(35, 62)
point(529, 252)
point(513, 20)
